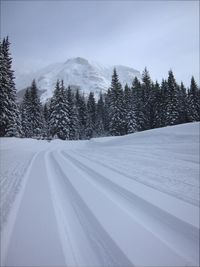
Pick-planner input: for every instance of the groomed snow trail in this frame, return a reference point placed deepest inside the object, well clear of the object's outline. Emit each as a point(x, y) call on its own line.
point(103, 202)
point(35, 239)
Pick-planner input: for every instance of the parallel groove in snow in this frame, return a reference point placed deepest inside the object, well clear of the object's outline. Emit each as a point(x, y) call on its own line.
point(115, 220)
point(139, 175)
point(158, 220)
point(90, 244)
point(101, 202)
point(35, 236)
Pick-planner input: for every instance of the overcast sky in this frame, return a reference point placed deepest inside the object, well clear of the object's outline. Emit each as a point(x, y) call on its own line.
point(157, 34)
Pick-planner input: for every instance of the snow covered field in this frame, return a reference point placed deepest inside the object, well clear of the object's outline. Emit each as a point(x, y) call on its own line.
point(114, 201)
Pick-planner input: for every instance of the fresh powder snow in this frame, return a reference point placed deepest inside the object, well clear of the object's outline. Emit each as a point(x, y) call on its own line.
point(115, 201)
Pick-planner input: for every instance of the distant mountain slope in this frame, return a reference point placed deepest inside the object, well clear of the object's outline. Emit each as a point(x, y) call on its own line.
point(78, 73)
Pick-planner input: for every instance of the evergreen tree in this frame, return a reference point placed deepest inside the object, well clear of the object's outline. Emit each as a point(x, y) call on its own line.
point(137, 96)
point(117, 122)
point(36, 112)
point(172, 101)
point(148, 100)
point(59, 117)
point(73, 116)
point(194, 101)
point(130, 112)
point(183, 105)
point(156, 104)
point(100, 116)
point(25, 110)
point(82, 114)
point(107, 112)
point(91, 116)
point(10, 124)
point(46, 113)
point(161, 104)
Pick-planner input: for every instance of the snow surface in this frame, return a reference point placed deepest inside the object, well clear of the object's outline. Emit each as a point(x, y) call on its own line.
point(114, 201)
point(78, 73)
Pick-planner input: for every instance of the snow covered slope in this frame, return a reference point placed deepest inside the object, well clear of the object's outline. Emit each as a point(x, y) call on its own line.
point(115, 201)
point(78, 73)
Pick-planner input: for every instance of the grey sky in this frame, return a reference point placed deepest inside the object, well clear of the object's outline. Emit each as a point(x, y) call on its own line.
point(157, 34)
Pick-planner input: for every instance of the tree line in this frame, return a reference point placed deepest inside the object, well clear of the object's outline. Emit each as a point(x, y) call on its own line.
point(70, 115)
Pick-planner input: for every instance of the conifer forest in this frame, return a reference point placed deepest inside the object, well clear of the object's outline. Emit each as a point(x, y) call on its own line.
point(71, 115)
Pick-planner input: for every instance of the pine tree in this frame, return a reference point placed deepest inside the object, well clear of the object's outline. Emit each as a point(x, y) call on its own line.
point(59, 117)
point(107, 112)
point(25, 110)
point(100, 116)
point(148, 100)
point(161, 103)
point(73, 116)
point(183, 105)
point(91, 116)
point(117, 122)
point(82, 114)
point(10, 124)
point(46, 113)
point(194, 101)
point(137, 96)
point(129, 108)
point(156, 103)
point(36, 113)
point(172, 101)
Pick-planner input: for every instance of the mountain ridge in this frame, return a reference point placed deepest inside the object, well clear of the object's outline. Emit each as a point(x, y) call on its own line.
point(76, 72)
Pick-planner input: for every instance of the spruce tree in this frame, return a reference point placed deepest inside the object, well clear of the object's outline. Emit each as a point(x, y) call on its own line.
point(137, 97)
point(53, 111)
point(148, 100)
point(156, 102)
point(107, 112)
point(129, 109)
point(161, 103)
point(25, 110)
point(82, 114)
point(10, 124)
point(183, 105)
point(194, 101)
point(100, 116)
point(59, 117)
point(46, 113)
point(117, 121)
point(91, 116)
point(73, 116)
point(36, 112)
point(172, 101)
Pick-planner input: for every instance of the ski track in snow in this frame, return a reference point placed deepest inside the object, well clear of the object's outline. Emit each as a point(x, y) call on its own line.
point(178, 186)
point(11, 179)
point(103, 202)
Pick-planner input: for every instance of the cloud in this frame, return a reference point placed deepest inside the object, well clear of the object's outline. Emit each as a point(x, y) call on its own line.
point(157, 34)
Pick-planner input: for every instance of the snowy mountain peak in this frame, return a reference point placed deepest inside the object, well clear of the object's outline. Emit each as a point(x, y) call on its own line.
point(77, 60)
point(76, 72)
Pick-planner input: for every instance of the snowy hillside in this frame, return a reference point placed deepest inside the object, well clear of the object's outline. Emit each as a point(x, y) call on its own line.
point(114, 201)
point(78, 73)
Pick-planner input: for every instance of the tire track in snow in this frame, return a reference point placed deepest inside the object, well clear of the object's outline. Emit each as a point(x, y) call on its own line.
point(158, 221)
point(90, 245)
